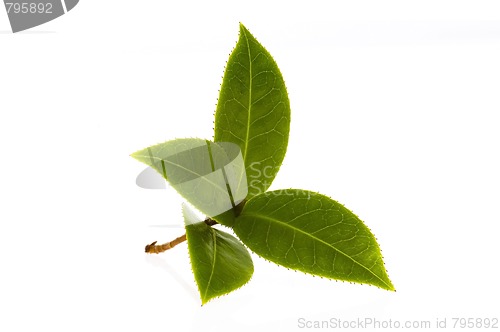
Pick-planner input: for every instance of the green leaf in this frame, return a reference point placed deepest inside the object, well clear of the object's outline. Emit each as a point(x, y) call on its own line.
point(312, 233)
point(220, 262)
point(209, 175)
point(253, 111)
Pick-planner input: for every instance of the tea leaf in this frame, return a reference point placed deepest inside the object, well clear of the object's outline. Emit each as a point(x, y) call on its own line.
point(312, 233)
point(220, 262)
point(253, 111)
point(209, 175)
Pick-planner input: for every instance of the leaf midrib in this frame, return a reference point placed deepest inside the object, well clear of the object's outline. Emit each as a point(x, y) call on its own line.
point(249, 108)
point(315, 238)
point(214, 240)
point(216, 185)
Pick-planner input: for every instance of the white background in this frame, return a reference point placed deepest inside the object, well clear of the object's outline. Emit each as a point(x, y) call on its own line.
point(394, 113)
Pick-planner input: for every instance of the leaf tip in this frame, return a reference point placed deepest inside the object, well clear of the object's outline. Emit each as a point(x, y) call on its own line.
point(135, 155)
point(388, 285)
point(243, 29)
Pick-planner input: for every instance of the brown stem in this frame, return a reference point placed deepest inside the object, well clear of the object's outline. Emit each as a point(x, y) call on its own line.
point(210, 222)
point(154, 248)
